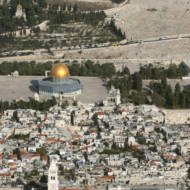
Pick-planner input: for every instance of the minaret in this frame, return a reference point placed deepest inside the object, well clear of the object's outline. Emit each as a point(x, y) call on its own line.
point(118, 97)
point(53, 183)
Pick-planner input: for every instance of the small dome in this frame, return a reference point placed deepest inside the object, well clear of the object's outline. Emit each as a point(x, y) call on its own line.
point(60, 70)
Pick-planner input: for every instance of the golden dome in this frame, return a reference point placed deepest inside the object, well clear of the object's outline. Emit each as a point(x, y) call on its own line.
point(60, 70)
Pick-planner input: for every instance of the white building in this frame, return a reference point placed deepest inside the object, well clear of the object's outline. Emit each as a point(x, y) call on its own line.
point(119, 140)
point(114, 97)
point(20, 13)
point(53, 183)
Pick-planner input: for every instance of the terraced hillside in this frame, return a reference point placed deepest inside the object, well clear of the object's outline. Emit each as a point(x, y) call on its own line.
point(86, 4)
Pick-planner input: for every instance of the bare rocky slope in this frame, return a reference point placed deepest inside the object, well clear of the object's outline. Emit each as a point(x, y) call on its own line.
point(141, 19)
point(175, 49)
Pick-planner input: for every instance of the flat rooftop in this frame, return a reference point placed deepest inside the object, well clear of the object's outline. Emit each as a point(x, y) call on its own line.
point(23, 87)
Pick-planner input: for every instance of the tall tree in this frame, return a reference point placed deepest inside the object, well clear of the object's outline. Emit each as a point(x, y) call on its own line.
point(137, 81)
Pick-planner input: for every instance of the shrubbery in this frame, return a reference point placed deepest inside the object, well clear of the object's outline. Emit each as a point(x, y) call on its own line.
point(31, 104)
point(33, 68)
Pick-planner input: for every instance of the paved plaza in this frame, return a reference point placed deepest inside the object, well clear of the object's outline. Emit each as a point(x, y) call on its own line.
point(23, 87)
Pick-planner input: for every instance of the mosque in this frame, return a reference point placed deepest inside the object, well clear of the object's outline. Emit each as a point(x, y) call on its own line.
point(59, 83)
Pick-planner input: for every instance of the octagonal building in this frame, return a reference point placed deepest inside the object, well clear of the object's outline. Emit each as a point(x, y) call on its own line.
point(60, 83)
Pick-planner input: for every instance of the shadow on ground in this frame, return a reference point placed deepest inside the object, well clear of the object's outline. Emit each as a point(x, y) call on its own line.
point(33, 85)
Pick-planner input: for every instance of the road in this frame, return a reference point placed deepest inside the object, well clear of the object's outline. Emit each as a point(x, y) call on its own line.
point(122, 43)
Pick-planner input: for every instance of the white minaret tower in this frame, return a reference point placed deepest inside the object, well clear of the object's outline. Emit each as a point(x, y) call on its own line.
point(118, 97)
point(53, 183)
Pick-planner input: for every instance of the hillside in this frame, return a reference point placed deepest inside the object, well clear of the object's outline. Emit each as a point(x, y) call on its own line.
point(141, 19)
point(86, 4)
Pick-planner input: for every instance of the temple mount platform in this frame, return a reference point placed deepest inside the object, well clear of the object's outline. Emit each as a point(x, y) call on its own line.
point(23, 87)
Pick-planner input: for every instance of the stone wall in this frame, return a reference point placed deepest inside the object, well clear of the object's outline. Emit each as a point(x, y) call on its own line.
point(177, 116)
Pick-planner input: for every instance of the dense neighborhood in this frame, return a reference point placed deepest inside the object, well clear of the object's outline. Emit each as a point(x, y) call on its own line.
point(94, 95)
point(113, 146)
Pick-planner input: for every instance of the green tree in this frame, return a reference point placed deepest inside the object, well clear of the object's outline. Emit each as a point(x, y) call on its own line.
point(126, 71)
point(116, 31)
point(108, 70)
point(177, 95)
point(169, 97)
point(164, 82)
point(137, 81)
point(183, 69)
point(42, 151)
point(172, 71)
point(138, 98)
point(43, 179)
point(158, 100)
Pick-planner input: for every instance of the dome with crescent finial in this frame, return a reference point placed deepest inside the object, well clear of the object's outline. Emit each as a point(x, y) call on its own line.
point(60, 71)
